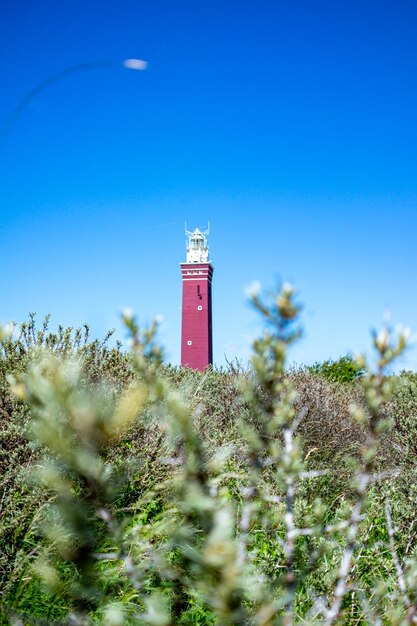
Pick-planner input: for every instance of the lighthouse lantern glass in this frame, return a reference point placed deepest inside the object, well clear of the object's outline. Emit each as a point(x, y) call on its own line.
point(197, 248)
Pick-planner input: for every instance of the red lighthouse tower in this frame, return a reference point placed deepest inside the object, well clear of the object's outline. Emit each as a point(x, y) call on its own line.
point(196, 333)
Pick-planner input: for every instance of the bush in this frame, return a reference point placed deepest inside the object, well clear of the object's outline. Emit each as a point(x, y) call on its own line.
point(155, 495)
point(344, 370)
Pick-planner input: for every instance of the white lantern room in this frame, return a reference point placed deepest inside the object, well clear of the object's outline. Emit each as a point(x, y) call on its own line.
point(197, 246)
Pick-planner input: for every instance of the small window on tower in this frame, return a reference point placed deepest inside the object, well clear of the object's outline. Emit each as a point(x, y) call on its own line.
point(189, 343)
point(200, 308)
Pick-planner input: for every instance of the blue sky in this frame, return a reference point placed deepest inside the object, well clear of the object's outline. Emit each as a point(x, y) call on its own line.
point(290, 125)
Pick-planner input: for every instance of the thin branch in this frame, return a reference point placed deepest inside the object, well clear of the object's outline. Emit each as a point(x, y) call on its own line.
point(289, 523)
point(346, 563)
point(394, 555)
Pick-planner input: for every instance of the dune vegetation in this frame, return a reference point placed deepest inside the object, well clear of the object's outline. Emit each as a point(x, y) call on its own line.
point(134, 492)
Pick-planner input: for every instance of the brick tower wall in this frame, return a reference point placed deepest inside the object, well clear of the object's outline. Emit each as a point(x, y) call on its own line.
point(196, 316)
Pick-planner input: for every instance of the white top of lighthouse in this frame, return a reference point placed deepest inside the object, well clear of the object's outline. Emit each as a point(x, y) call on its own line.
point(197, 246)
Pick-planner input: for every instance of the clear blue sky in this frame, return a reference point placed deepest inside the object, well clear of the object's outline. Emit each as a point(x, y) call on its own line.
point(290, 125)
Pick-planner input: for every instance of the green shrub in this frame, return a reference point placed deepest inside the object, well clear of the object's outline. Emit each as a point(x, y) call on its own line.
point(344, 370)
point(145, 494)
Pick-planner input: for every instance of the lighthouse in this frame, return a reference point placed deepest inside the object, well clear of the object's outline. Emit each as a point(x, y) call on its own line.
point(196, 331)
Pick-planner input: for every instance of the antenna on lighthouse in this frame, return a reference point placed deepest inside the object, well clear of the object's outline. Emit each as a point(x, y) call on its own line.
point(188, 233)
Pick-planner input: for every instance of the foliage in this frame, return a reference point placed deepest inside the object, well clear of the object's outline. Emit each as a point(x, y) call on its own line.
point(344, 370)
point(138, 493)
